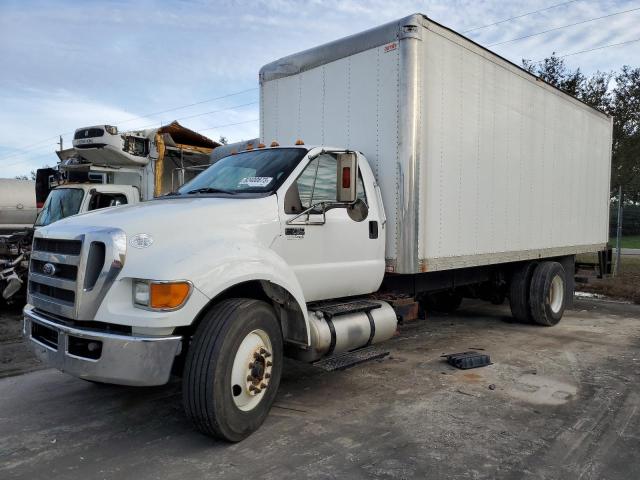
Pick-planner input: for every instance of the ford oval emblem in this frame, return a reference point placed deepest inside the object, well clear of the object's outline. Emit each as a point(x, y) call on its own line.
point(49, 269)
point(141, 240)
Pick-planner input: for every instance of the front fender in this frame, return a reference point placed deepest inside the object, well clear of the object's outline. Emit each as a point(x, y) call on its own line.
point(240, 262)
point(212, 268)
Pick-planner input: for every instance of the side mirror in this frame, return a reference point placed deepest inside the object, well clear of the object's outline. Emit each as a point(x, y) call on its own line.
point(347, 174)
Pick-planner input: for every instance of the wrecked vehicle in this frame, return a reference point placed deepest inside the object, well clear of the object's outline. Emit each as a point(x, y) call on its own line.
point(104, 168)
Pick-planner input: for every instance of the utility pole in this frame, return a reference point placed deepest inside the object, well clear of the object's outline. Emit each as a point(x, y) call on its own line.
point(60, 143)
point(619, 231)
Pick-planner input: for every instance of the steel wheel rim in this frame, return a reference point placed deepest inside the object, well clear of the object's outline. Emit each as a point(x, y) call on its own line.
point(556, 294)
point(251, 371)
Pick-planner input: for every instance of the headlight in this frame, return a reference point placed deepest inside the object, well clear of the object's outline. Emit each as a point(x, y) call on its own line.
point(160, 295)
point(141, 293)
point(111, 129)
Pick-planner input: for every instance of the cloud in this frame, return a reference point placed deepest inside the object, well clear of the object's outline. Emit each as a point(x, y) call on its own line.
point(68, 64)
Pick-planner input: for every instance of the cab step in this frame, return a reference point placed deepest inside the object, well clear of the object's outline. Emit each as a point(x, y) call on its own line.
point(346, 360)
point(335, 309)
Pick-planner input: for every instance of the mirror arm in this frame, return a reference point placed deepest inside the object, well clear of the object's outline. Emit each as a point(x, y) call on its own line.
point(325, 206)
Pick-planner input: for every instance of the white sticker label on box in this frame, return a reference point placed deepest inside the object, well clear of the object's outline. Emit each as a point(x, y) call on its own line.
point(256, 181)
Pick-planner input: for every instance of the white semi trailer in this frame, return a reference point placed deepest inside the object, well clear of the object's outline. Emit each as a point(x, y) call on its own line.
point(430, 168)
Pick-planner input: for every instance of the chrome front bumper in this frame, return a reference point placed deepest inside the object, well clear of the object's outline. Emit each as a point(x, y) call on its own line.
point(99, 356)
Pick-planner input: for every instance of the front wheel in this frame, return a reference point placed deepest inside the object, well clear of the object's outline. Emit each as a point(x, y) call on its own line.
point(233, 369)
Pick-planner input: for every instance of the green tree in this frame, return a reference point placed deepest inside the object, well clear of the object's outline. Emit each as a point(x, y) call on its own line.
point(625, 108)
point(617, 95)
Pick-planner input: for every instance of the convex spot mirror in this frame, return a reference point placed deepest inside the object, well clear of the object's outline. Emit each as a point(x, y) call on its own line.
point(347, 175)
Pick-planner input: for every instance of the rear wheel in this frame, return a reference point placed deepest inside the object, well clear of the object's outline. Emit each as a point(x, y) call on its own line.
point(548, 292)
point(519, 292)
point(233, 369)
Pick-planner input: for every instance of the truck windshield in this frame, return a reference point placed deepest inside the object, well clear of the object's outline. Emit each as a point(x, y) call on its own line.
point(61, 203)
point(256, 171)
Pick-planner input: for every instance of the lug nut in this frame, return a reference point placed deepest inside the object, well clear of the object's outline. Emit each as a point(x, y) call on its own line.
point(255, 355)
point(251, 365)
point(263, 351)
point(267, 355)
point(267, 375)
point(263, 385)
point(269, 364)
point(249, 378)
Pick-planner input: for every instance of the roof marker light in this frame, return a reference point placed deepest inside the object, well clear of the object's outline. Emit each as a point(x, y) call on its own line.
point(274, 144)
point(299, 142)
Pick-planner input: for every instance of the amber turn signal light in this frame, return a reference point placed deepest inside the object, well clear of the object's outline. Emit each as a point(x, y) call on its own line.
point(168, 295)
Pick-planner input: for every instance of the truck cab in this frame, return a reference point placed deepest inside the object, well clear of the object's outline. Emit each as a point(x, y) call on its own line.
point(265, 232)
point(72, 199)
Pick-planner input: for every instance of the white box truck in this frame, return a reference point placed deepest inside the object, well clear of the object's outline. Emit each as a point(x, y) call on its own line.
point(419, 165)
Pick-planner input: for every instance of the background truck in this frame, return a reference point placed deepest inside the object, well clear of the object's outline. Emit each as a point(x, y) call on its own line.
point(439, 171)
point(151, 162)
point(104, 168)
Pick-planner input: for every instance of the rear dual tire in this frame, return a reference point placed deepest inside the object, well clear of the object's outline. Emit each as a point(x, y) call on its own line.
point(538, 293)
point(233, 369)
point(548, 293)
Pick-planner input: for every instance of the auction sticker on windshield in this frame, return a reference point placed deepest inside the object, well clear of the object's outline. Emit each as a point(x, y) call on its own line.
point(255, 181)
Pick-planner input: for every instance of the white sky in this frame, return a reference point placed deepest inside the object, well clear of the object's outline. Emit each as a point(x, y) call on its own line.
point(68, 64)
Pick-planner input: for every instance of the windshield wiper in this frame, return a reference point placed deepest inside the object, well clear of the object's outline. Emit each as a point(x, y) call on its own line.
point(210, 190)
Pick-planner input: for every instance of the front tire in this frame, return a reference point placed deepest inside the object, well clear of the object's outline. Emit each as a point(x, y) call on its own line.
point(233, 369)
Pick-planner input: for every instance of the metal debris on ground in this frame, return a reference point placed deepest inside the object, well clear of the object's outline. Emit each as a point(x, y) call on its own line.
point(466, 360)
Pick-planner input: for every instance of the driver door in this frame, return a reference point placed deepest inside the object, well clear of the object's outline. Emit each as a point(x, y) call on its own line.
point(340, 253)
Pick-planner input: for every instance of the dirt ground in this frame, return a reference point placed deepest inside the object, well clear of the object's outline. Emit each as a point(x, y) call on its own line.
point(625, 286)
point(14, 357)
point(557, 403)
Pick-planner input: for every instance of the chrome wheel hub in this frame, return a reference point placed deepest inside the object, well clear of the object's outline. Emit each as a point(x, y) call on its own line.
point(556, 294)
point(252, 369)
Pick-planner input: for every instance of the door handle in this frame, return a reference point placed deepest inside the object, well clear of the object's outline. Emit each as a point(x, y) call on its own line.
point(373, 229)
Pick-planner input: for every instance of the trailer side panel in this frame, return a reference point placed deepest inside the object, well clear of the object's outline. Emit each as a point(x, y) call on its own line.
point(511, 167)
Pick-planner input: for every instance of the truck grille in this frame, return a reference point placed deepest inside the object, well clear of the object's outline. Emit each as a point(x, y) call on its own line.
point(62, 294)
point(68, 247)
point(53, 275)
point(69, 277)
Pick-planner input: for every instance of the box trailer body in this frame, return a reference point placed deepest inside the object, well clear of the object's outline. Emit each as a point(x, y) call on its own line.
point(479, 161)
